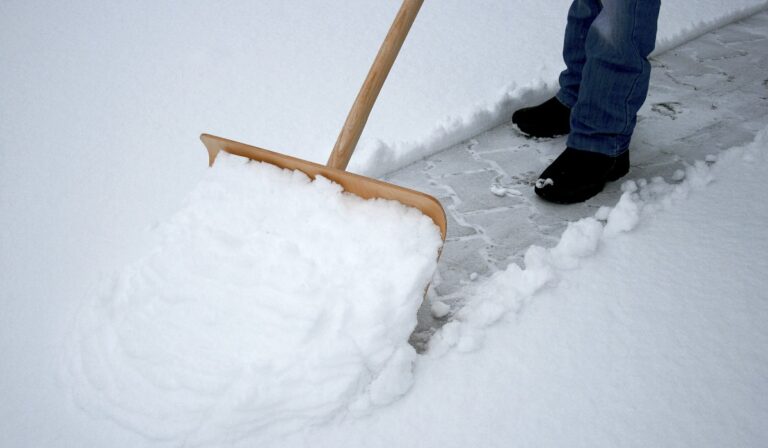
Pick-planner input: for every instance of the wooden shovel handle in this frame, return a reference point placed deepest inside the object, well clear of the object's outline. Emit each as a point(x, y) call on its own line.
point(361, 109)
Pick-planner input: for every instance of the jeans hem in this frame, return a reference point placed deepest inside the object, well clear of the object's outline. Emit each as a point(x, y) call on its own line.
point(566, 99)
point(612, 146)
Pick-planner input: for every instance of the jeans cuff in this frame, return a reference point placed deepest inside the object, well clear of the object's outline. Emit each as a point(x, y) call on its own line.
point(569, 100)
point(610, 145)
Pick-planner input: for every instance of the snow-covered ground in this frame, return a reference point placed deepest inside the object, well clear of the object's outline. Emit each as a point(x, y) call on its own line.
point(644, 326)
point(651, 337)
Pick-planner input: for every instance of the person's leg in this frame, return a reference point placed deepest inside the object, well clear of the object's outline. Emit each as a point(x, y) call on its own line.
point(614, 75)
point(553, 117)
point(613, 85)
point(580, 17)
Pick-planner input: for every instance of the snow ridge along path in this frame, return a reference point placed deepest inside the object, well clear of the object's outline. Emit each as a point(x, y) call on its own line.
point(706, 95)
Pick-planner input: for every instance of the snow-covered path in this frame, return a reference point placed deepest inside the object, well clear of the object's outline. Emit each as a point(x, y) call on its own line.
point(707, 95)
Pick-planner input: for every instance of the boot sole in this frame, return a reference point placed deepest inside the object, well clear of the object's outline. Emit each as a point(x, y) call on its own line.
point(534, 132)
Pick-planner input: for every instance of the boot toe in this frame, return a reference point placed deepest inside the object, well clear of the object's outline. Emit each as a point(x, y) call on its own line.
point(576, 175)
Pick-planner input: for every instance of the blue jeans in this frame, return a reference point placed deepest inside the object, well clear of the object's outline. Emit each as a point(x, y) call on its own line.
point(606, 50)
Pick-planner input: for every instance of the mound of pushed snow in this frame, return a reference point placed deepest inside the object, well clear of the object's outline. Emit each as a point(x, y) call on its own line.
point(272, 302)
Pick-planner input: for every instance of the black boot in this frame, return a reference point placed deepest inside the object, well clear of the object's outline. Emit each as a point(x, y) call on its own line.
point(548, 119)
point(576, 175)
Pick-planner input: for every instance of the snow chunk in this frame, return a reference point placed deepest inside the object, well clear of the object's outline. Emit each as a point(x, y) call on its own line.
point(273, 302)
point(498, 190)
point(624, 216)
point(440, 309)
point(579, 240)
point(501, 191)
point(602, 213)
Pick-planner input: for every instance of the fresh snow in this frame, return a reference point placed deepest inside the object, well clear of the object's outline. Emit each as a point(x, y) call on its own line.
point(610, 344)
point(272, 302)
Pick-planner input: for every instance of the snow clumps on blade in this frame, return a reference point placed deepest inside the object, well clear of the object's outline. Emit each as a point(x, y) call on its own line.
point(273, 302)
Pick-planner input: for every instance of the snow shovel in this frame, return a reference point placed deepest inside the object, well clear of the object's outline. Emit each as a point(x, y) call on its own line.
point(334, 170)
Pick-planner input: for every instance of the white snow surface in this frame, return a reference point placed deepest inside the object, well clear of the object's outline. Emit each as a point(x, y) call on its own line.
point(100, 110)
point(647, 329)
point(273, 302)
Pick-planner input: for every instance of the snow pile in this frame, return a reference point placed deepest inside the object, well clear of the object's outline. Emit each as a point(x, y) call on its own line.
point(273, 302)
point(510, 290)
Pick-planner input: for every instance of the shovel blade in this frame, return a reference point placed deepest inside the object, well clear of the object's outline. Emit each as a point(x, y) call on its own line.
point(365, 187)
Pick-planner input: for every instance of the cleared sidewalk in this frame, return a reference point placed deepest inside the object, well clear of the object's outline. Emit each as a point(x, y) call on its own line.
point(707, 95)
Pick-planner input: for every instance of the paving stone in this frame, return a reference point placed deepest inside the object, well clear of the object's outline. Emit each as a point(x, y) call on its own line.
point(677, 62)
point(736, 35)
point(456, 230)
point(512, 163)
point(474, 191)
point(708, 49)
point(459, 260)
point(757, 23)
point(510, 231)
point(495, 139)
point(414, 177)
point(456, 160)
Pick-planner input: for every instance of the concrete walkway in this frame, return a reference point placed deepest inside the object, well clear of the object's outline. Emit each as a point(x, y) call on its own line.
point(707, 95)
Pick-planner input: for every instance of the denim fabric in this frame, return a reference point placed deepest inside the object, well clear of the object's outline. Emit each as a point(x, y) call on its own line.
point(606, 50)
